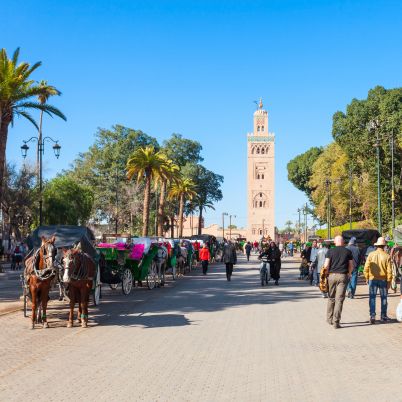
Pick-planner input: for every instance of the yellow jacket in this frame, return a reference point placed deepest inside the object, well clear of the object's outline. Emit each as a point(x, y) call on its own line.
point(378, 266)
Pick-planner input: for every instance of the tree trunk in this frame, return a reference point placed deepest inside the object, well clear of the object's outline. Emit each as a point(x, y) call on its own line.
point(162, 198)
point(147, 198)
point(200, 220)
point(4, 123)
point(181, 212)
point(172, 227)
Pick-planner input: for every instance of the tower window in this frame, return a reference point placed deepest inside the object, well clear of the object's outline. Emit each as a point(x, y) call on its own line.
point(258, 128)
point(263, 151)
point(258, 150)
point(260, 204)
point(262, 176)
point(260, 194)
point(262, 128)
point(260, 231)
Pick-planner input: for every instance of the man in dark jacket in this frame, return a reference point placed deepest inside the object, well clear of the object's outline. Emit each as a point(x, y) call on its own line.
point(229, 257)
point(275, 262)
point(248, 248)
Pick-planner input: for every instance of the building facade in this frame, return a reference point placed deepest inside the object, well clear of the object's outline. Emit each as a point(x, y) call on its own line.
point(260, 178)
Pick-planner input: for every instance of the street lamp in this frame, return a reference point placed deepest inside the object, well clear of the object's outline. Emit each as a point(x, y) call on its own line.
point(372, 126)
point(263, 228)
point(230, 225)
point(223, 224)
point(40, 152)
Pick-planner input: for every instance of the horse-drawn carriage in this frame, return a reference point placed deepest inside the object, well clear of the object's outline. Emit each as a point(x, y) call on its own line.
point(140, 259)
point(63, 255)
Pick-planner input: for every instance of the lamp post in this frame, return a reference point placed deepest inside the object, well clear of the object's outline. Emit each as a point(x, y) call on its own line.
point(305, 223)
point(223, 224)
point(299, 229)
point(392, 181)
point(328, 187)
point(230, 225)
point(373, 127)
point(263, 228)
point(40, 151)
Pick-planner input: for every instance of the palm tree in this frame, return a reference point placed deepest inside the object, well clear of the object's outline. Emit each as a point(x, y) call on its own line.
point(202, 206)
point(146, 163)
point(182, 190)
point(16, 91)
point(170, 174)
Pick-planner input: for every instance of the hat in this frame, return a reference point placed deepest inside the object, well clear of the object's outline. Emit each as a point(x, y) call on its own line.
point(380, 242)
point(352, 241)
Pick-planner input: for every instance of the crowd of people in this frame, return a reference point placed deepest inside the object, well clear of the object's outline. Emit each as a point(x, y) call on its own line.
point(335, 270)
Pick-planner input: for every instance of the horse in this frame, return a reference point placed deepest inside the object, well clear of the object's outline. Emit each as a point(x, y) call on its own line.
point(396, 257)
point(79, 273)
point(181, 261)
point(38, 274)
point(161, 262)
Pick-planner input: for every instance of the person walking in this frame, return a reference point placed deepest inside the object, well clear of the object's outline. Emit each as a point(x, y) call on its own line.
point(291, 248)
point(229, 257)
point(205, 256)
point(378, 274)
point(247, 249)
point(339, 266)
point(274, 256)
point(351, 290)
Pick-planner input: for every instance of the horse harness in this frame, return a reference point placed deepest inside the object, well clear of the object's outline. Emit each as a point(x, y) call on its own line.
point(82, 273)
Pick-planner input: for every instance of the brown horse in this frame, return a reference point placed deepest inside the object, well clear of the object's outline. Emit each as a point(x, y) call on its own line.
point(38, 274)
point(79, 273)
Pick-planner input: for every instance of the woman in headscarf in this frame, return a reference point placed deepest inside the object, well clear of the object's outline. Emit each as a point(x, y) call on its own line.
point(275, 262)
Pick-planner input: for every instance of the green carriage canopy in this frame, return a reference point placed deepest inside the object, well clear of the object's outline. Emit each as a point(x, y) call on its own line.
point(66, 237)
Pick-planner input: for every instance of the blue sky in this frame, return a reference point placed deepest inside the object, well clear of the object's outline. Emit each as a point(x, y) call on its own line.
point(195, 68)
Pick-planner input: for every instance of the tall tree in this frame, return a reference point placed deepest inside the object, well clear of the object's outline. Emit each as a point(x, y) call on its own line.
point(66, 202)
point(356, 131)
point(182, 190)
point(146, 164)
point(170, 174)
point(105, 163)
point(16, 92)
point(182, 150)
point(300, 169)
point(19, 199)
point(208, 188)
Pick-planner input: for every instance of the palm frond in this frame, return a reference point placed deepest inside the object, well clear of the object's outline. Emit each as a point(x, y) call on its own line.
point(25, 114)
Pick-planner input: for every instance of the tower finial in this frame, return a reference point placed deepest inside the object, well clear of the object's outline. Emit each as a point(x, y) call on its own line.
point(260, 104)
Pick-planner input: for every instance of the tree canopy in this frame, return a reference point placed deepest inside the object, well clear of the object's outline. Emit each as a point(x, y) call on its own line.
point(66, 202)
point(300, 169)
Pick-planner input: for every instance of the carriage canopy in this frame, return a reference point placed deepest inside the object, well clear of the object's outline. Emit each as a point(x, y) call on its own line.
point(66, 237)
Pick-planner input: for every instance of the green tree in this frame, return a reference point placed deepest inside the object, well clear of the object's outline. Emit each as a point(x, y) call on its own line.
point(170, 173)
point(356, 131)
point(19, 199)
point(300, 169)
point(103, 168)
point(182, 190)
point(208, 188)
point(146, 164)
point(182, 150)
point(16, 92)
point(66, 202)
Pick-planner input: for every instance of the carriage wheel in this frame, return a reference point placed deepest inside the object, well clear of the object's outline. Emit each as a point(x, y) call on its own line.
point(151, 277)
point(113, 286)
point(97, 295)
point(127, 282)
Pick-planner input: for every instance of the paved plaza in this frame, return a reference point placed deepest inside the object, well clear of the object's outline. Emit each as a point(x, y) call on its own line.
point(206, 339)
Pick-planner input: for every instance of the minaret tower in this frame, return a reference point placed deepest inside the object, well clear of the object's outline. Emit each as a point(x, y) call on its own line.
point(261, 178)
